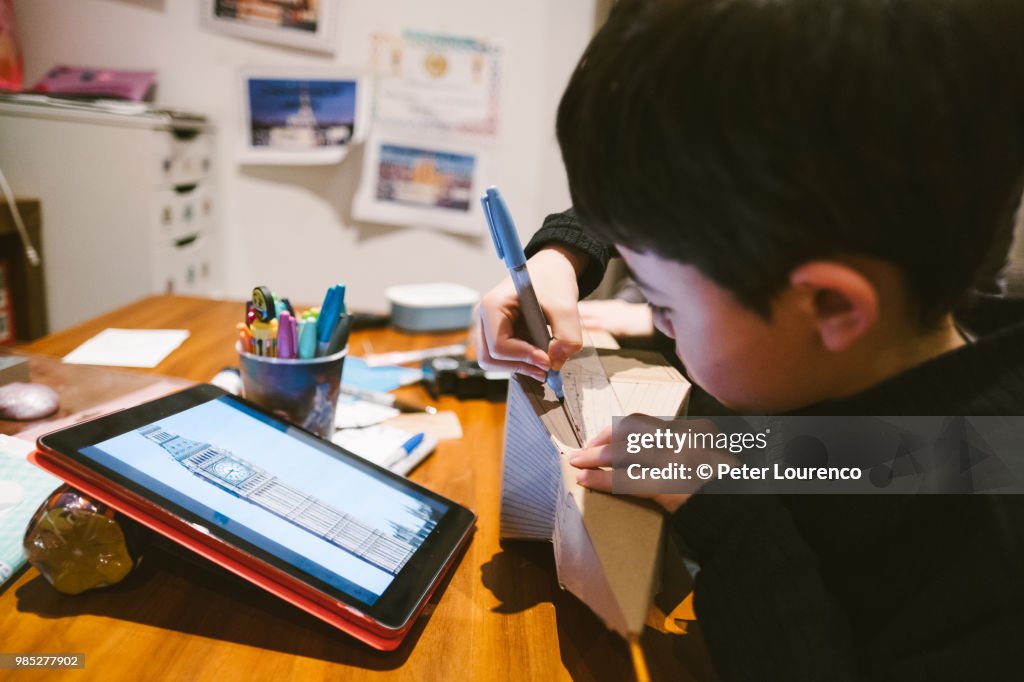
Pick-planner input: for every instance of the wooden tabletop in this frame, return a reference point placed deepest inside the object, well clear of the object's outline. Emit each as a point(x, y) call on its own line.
point(501, 615)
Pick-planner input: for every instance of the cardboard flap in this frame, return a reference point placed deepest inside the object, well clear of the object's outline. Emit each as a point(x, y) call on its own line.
point(608, 549)
point(579, 567)
point(627, 536)
point(643, 383)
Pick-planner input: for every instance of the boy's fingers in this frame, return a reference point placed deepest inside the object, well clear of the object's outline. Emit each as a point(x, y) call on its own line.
point(487, 361)
point(592, 457)
point(595, 479)
point(502, 345)
point(566, 334)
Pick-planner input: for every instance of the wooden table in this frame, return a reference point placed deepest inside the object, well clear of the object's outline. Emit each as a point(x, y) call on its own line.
point(501, 615)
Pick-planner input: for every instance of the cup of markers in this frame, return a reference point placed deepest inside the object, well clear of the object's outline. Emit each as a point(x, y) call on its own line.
point(291, 362)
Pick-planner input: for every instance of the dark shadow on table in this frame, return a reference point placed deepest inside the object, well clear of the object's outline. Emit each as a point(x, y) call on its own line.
point(189, 594)
point(522, 576)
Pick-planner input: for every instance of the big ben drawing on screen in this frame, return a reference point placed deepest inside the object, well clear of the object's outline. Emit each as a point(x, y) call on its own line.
point(388, 549)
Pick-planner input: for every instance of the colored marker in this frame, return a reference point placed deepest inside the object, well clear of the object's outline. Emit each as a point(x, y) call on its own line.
point(307, 339)
point(510, 250)
point(287, 339)
point(339, 336)
point(244, 338)
point(328, 319)
point(341, 299)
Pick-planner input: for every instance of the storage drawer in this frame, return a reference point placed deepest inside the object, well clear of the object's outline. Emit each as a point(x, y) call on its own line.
point(191, 266)
point(183, 159)
point(182, 211)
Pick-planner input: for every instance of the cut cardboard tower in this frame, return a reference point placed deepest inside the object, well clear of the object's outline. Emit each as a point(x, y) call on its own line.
point(608, 548)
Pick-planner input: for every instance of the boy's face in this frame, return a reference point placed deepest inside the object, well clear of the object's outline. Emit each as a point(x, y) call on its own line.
point(745, 362)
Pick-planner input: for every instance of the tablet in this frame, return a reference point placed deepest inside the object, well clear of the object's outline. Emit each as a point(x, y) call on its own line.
point(338, 536)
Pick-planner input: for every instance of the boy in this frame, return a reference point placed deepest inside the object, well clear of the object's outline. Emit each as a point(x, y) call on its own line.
point(805, 190)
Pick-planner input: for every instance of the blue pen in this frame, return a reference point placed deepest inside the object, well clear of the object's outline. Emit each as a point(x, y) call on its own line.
point(404, 450)
point(329, 312)
point(510, 249)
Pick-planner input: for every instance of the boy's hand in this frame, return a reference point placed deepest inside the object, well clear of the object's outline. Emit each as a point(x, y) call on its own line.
point(619, 318)
point(500, 341)
point(595, 459)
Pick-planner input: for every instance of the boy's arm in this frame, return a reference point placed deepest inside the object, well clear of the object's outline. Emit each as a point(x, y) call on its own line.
point(562, 260)
point(563, 230)
point(759, 597)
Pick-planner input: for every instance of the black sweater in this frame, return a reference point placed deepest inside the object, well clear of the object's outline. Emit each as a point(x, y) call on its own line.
point(855, 587)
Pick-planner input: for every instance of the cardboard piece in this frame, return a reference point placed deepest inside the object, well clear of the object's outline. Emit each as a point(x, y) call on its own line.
point(608, 549)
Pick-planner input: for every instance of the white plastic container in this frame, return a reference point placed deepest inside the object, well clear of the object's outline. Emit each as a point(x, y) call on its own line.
point(431, 307)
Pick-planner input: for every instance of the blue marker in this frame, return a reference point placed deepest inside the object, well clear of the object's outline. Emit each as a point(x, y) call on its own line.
point(510, 249)
point(329, 312)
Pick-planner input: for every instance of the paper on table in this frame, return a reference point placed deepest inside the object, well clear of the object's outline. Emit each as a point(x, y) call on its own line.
point(23, 486)
point(356, 374)
point(378, 444)
point(353, 413)
point(128, 347)
point(442, 425)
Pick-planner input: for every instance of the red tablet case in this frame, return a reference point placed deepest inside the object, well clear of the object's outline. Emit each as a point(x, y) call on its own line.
point(253, 569)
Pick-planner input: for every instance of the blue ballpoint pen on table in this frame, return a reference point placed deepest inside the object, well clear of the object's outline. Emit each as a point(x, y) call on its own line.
point(403, 451)
point(510, 250)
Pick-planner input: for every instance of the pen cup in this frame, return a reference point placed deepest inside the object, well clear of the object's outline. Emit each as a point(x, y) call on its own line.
point(305, 392)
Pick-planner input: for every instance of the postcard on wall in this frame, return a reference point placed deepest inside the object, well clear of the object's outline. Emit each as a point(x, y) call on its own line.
point(442, 83)
point(308, 24)
point(421, 183)
point(301, 117)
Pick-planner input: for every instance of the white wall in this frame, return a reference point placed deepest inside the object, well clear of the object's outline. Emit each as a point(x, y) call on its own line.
point(291, 227)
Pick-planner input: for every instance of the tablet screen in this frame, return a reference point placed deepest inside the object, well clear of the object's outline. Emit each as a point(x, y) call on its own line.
point(238, 469)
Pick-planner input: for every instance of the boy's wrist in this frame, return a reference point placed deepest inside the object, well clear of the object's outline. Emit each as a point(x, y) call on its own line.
point(578, 259)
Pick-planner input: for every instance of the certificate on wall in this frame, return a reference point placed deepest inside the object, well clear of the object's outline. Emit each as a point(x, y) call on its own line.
point(301, 117)
point(442, 83)
point(308, 24)
point(418, 182)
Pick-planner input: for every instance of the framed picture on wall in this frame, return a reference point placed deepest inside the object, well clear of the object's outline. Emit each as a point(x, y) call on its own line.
point(301, 116)
point(308, 24)
point(420, 181)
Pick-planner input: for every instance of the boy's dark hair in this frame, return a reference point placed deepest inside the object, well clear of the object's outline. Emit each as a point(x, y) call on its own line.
point(746, 137)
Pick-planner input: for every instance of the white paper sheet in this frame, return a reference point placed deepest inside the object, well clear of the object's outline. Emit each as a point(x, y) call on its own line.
point(128, 347)
point(354, 413)
point(380, 444)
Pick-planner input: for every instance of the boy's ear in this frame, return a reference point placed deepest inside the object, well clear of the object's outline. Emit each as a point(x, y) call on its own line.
point(841, 300)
